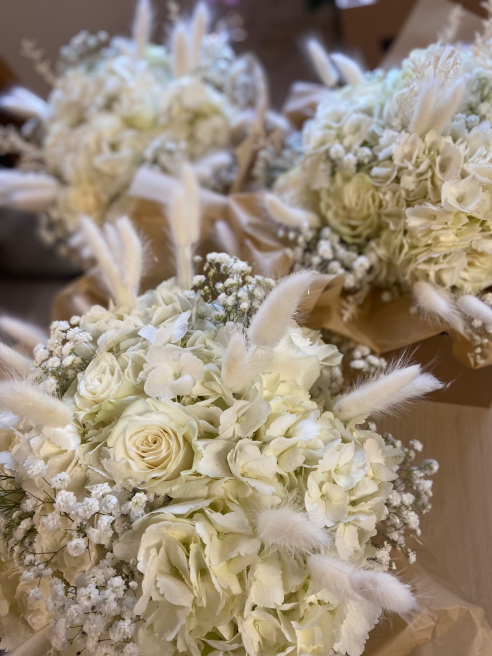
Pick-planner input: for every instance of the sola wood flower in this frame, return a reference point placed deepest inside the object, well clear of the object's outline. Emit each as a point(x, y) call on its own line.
point(169, 483)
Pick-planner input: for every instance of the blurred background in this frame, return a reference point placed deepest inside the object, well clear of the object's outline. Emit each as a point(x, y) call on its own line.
point(375, 32)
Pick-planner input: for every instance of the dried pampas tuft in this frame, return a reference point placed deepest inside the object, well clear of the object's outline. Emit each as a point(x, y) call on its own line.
point(185, 219)
point(290, 216)
point(332, 575)
point(286, 529)
point(384, 393)
point(475, 308)
point(351, 72)
point(23, 103)
point(269, 324)
point(120, 256)
point(15, 361)
point(142, 27)
point(29, 402)
point(27, 191)
point(384, 589)
point(320, 59)
point(24, 333)
point(438, 304)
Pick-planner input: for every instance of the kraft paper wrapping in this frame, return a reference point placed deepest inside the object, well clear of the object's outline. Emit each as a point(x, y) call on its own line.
point(446, 624)
point(303, 100)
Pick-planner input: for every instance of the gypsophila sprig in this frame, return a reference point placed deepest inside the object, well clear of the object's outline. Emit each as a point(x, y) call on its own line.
point(68, 352)
point(227, 281)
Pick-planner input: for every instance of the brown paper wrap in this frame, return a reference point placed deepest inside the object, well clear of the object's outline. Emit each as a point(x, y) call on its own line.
point(303, 100)
point(446, 624)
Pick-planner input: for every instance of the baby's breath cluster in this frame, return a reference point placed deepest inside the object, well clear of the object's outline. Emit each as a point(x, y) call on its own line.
point(409, 498)
point(227, 282)
point(68, 351)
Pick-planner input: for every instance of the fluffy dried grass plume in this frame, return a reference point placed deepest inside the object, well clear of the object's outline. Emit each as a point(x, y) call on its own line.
point(185, 223)
point(142, 27)
point(437, 304)
point(120, 255)
point(474, 308)
point(320, 60)
point(270, 323)
point(14, 361)
point(290, 216)
point(350, 70)
point(382, 394)
point(22, 332)
point(23, 103)
point(290, 530)
point(345, 580)
point(29, 402)
point(384, 589)
point(27, 191)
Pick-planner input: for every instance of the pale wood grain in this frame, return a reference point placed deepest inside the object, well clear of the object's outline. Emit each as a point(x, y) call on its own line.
point(458, 529)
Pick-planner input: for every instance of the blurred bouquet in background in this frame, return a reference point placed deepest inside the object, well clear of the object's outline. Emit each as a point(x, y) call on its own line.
point(118, 104)
point(393, 188)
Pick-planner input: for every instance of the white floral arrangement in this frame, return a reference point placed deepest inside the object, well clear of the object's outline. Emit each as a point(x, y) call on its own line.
point(393, 189)
point(118, 104)
point(182, 473)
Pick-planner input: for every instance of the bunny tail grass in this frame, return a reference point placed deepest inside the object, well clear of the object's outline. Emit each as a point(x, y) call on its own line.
point(351, 72)
point(199, 27)
point(290, 216)
point(179, 50)
point(424, 107)
point(475, 308)
point(438, 303)
point(270, 323)
point(14, 360)
point(27, 191)
point(29, 402)
point(384, 589)
point(320, 60)
point(22, 332)
point(117, 268)
point(184, 219)
point(384, 393)
point(332, 575)
point(142, 27)
point(23, 103)
point(132, 264)
point(286, 529)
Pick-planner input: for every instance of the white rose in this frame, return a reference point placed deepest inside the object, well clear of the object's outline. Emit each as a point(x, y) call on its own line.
point(105, 379)
point(152, 444)
point(352, 207)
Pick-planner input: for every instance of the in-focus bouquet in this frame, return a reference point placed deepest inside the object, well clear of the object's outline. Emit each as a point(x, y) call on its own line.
point(180, 474)
point(118, 104)
point(394, 190)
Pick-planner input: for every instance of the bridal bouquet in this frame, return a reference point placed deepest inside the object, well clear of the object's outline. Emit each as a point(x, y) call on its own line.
point(394, 190)
point(180, 473)
point(118, 104)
